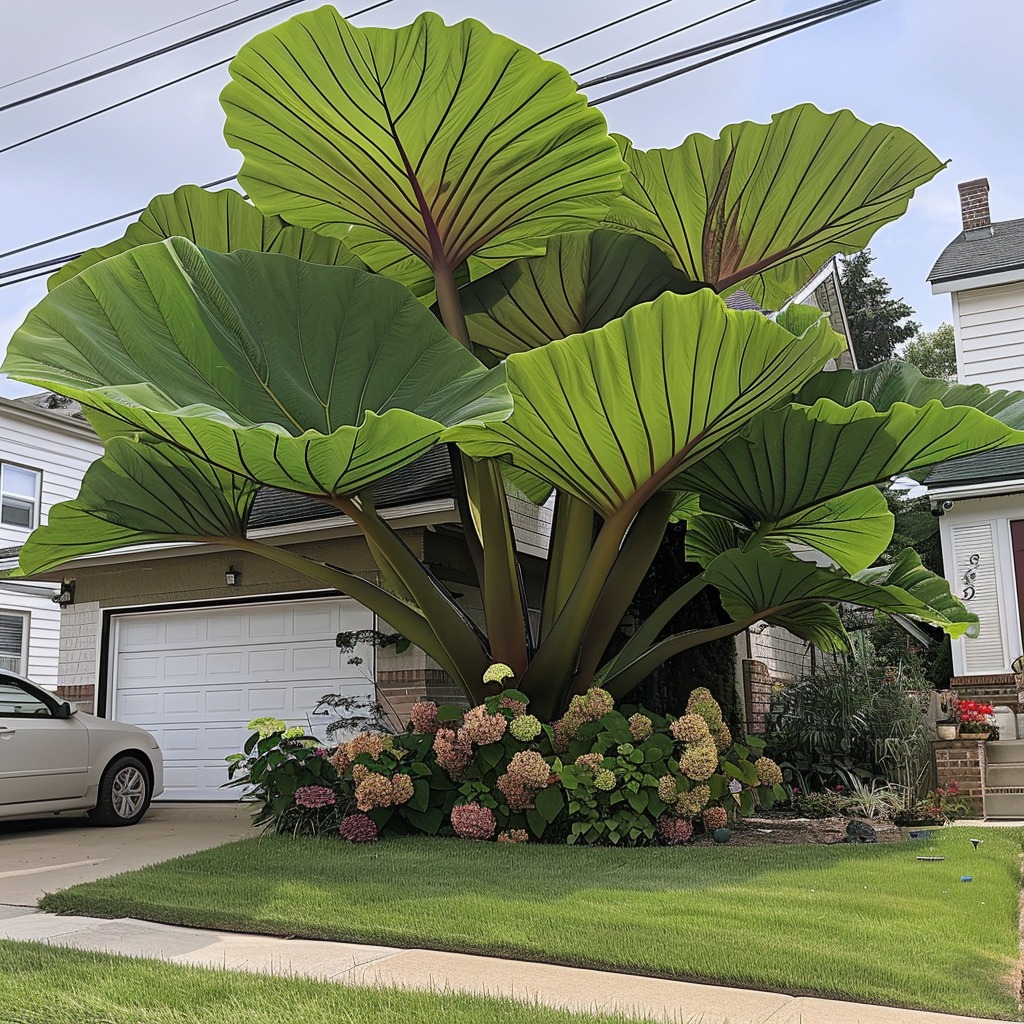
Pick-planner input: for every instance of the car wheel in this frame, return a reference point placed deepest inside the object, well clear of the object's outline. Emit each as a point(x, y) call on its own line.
point(124, 793)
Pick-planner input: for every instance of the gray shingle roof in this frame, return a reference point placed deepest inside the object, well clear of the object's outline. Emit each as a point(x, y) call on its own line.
point(983, 254)
point(986, 467)
point(429, 477)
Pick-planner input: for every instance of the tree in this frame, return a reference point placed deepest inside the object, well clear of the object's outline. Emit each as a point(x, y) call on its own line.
point(878, 323)
point(578, 346)
point(933, 352)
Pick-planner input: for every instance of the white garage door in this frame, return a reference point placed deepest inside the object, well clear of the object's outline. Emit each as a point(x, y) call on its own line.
point(195, 677)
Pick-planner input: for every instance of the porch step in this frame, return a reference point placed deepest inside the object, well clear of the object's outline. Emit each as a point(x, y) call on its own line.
point(1002, 776)
point(1005, 752)
point(1004, 805)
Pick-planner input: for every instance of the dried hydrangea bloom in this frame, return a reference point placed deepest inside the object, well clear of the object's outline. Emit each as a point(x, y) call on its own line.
point(401, 789)
point(423, 715)
point(374, 791)
point(517, 707)
point(668, 790)
point(498, 673)
point(358, 828)
point(340, 759)
point(699, 761)
point(768, 772)
point(605, 779)
point(514, 835)
point(674, 831)
point(591, 762)
point(372, 743)
point(481, 727)
point(564, 733)
point(473, 821)
point(525, 728)
point(640, 727)
point(702, 703)
point(314, 796)
point(530, 768)
point(723, 737)
point(518, 796)
point(690, 729)
point(454, 752)
point(690, 804)
point(360, 772)
point(715, 817)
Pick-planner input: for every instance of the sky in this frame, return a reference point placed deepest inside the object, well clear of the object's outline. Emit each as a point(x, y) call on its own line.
point(943, 69)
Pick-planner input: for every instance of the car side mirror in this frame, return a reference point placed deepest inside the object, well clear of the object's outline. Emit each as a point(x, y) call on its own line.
point(65, 709)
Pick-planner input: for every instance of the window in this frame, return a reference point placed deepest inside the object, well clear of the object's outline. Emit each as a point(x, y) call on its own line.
point(12, 641)
point(19, 496)
point(17, 702)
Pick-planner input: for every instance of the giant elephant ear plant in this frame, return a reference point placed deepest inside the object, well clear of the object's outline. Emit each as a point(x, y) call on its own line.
point(580, 347)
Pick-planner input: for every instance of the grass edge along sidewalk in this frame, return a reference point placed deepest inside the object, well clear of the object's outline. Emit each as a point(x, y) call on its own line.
point(867, 923)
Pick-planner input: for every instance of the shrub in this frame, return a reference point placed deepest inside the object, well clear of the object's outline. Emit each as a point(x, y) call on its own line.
point(600, 775)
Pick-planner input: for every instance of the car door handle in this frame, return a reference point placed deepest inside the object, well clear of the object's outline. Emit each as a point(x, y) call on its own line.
point(5, 732)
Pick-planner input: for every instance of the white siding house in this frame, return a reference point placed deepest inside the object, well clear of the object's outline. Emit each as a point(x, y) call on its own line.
point(45, 449)
point(980, 499)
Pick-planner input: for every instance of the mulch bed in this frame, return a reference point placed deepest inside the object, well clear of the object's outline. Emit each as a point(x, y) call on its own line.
point(777, 830)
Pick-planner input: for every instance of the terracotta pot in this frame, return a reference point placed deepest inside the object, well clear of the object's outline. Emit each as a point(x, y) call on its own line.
point(947, 730)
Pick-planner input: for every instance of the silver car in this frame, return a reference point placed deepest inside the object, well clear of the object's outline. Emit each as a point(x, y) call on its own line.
point(53, 758)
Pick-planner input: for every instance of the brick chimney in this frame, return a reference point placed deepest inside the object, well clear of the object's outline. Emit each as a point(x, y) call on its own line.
point(974, 205)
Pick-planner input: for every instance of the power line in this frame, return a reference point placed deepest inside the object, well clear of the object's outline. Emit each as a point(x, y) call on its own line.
point(607, 24)
point(848, 8)
point(170, 48)
point(115, 46)
point(658, 39)
point(807, 20)
point(833, 9)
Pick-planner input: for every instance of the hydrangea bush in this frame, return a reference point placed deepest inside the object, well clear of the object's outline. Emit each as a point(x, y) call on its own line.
point(599, 774)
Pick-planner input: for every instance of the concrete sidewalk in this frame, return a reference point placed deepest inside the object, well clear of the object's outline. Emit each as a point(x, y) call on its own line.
point(567, 987)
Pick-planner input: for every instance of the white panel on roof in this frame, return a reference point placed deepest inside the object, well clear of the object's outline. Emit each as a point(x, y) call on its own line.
point(194, 677)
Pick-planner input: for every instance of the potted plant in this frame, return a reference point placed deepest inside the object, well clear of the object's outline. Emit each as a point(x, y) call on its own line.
point(976, 719)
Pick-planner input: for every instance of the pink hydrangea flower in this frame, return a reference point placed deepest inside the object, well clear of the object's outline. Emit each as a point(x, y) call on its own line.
point(358, 828)
point(674, 831)
point(314, 797)
point(424, 716)
point(454, 752)
point(473, 821)
point(481, 727)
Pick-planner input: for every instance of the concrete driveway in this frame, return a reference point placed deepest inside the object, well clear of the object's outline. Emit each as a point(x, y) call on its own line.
point(45, 854)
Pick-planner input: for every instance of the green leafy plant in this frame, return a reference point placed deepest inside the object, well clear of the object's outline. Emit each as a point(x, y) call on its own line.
point(446, 246)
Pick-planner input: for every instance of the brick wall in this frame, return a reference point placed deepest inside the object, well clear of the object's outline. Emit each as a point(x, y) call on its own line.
point(757, 692)
point(960, 760)
point(974, 208)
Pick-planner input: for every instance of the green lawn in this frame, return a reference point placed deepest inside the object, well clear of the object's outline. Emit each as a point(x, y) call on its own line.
point(42, 984)
point(869, 923)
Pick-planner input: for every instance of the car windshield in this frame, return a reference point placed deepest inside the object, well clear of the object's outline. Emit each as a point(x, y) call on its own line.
point(14, 700)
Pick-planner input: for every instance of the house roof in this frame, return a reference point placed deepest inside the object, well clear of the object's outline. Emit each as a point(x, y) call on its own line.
point(985, 467)
point(429, 477)
point(980, 252)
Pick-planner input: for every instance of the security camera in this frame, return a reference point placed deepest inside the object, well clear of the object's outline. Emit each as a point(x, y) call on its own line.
point(939, 509)
point(947, 505)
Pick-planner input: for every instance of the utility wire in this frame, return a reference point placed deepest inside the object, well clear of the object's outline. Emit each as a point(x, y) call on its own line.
point(170, 48)
point(847, 9)
point(115, 46)
point(658, 39)
point(824, 14)
point(607, 24)
point(833, 10)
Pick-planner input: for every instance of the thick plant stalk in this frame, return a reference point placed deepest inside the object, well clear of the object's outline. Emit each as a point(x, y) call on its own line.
point(572, 535)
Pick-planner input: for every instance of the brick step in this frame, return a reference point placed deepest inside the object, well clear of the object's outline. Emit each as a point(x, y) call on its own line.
point(1003, 775)
point(1004, 805)
point(1005, 752)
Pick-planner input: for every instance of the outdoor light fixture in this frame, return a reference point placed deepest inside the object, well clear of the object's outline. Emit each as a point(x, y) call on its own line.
point(232, 577)
point(66, 594)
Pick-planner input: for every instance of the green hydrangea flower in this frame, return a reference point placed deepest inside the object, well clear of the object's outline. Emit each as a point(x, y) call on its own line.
point(498, 673)
point(294, 733)
point(605, 779)
point(267, 726)
point(525, 728)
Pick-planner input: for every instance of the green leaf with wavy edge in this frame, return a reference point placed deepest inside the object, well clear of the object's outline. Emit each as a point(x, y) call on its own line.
point(707, 537)
point(686, 507)
point(758, 584)
point(222, 221)
point(584, 280)
point(906, 572)
point(141, 493)
point(451, 140)
point(791, 459)
point(614, 414)
point(762, 207)
point(238, 359)
point(885, 384)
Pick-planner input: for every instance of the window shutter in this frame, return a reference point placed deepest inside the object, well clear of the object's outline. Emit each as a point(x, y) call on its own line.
point(975, 582)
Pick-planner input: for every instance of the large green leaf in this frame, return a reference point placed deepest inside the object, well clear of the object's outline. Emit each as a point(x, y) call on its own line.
point(583, 281)
point(765, 205)
point(450, 140)
point(758, 584)
point(314, 379)
point(885, 384)
point(221, 221)
point(791, 459)
point(141, 493)
point(612, 415)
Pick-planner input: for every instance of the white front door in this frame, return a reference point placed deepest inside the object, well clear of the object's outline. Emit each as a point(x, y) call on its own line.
point(194, 677)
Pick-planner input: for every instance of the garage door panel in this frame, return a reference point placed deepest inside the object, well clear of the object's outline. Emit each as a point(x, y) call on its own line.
point(195, 678)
